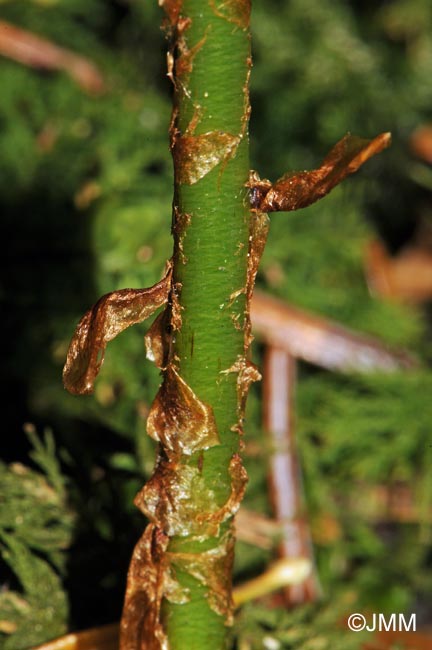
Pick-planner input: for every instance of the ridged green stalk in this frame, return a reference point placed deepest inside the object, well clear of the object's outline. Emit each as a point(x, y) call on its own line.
point(211, 231)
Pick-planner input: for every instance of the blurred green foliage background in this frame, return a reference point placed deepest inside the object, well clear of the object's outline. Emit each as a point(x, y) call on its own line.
point(85, 196)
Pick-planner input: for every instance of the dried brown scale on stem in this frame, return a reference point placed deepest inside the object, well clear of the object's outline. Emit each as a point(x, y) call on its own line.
point(176, 409)
point(297, 190)
point(175, 307)
point(112, 314)
point(172, 9)
point(140, 627)
point(247, 373)
point(169, 499)
point(232, 10)
point(247, 109)
point(258, 229)
point(157, 340)
point(258, 232)
point(181, 222)
point(212, 568)
point(239, 479)
point(184, 62)
point(196, 155)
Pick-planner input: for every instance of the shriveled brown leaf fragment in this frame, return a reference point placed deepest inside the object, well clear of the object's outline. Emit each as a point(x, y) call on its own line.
point(141, 628)
point(196, 155)
point(176, 307)
point(212, 568)
point(181, 223)
point(259, 228)
point(172, 9)
point(235, 11)
point(247, 373)
point(239, 479)
point(178, 499)
point(179, 419)
point(112, 314)
point(184, 61)
point(157, 340)
point(258, 232)
point(297, 190)
point(173, 498)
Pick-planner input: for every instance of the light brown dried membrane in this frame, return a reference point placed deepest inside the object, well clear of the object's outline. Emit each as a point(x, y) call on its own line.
point(172, 9)
point(184, 61)
point(174, 496)
point(299, 189)
point(258, 232)
point(196, 155)
point(239, 479)
point(176, 308)
point(141, 627)
point(181, 223)
point(246, 99)
point(247, 373)
point(212, 568)
point(112, 314)
point(178, 499)
point(157, 340)
point(235, 11)
point(179, 419)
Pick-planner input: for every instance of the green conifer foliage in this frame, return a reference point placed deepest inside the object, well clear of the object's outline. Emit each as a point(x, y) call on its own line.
point(36, 526)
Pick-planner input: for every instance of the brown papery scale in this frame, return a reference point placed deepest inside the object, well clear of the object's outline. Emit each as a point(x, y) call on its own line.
point(166, 500)
point(232, 10)
point(199, 154)
point(176, 409)
point(212, 569)
point(172, 9)
point(146, 586)
point(181, 222)
point(184, 62)
point(112, 314)
point(157, 340)
point(297, 190)
point(258, 232)
point(239, 481)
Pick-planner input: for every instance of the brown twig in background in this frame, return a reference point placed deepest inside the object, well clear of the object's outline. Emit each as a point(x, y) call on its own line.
point(102, 638)
point(36, 52)
point(257, 529)
point(421, 143)
point(406, 277)
point(289, 334)
point(321, 341)
point(286, 493)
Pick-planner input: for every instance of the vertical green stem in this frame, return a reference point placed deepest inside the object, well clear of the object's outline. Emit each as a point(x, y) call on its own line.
point(211, 230)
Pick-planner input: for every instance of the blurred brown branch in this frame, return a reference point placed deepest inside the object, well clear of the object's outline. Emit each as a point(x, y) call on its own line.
point(36, 52)
point(406, 277)
point(321, 341)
